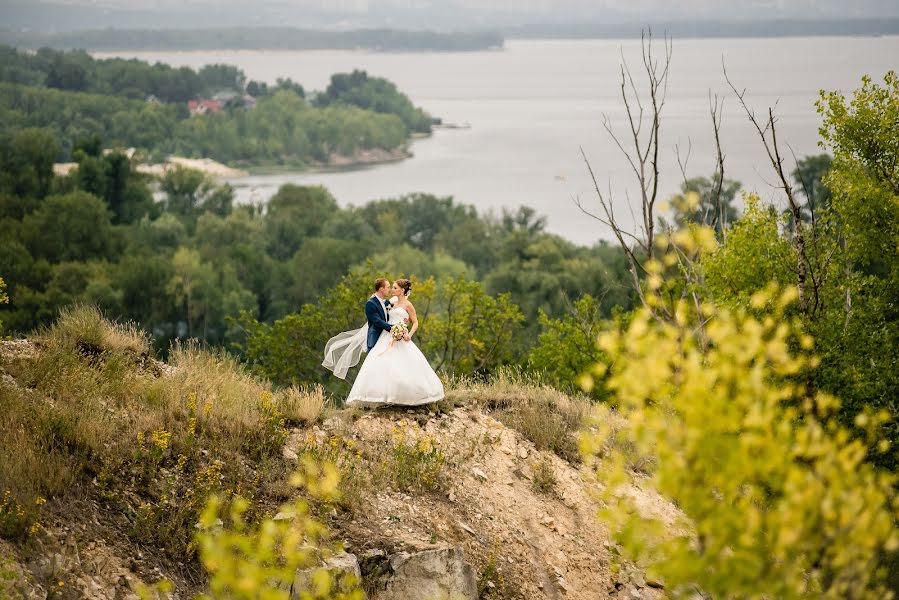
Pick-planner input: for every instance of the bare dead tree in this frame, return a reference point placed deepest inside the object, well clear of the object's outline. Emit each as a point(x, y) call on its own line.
point(808, 281)
point(716, 111)
point(640, 147)
point(683, 162)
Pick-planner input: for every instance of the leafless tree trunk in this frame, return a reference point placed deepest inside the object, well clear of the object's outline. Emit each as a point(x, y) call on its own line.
point(640, 147)
point(716, 110)
point(805, 277)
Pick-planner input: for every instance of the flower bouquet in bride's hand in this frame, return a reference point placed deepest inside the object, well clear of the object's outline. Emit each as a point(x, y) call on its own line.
point(399, 331)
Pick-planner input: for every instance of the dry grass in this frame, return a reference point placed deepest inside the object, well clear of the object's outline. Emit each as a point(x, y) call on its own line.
point(86, 404)
point(620, 440)
point(549, 418)
point(84, 328)
point(544, 478)
point(301, 406)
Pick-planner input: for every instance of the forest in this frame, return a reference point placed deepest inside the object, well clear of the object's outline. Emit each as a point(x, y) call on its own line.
point(130, 103)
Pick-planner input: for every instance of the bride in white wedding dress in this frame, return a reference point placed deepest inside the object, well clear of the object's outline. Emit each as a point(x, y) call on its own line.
point(395, 372)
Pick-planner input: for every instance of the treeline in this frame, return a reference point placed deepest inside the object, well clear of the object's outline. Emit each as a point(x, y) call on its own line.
point(711, 28)
point(195, 265)
point(78, 71)
point(281, 129)
point(256, 38)
point(78, 97)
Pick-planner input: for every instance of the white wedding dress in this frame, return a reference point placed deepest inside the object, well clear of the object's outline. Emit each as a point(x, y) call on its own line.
point(392, 374)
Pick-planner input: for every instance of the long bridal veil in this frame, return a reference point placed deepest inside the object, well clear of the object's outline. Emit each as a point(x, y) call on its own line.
point(344, 350)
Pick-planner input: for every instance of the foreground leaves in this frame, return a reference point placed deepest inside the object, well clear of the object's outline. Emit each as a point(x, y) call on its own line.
point(776, 499)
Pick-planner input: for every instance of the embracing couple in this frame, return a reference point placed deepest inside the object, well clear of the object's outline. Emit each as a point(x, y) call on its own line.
point(395, 372)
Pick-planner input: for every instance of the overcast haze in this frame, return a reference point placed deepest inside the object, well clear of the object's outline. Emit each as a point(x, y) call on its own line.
point(416, 14)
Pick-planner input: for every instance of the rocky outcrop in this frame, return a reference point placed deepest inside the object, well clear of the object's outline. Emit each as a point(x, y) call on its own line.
point(430, 575)
point(440, 574)
point(339, 566)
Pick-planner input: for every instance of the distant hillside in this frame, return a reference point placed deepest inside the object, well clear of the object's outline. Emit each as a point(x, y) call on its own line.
point(254, 38)
point(761, 28)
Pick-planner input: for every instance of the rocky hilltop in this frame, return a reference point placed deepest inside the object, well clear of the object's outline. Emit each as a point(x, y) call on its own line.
point(481, 496)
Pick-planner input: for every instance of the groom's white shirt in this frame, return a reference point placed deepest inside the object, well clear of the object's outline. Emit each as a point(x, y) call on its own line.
point(381, 304)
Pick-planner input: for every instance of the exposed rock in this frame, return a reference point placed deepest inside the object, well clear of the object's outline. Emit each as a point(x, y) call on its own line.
point(430, 575)
point(466, 527)
point(340, 564)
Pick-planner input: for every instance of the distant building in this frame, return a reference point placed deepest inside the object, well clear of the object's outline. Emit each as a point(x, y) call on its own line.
point(202, 107)
point(153, 99)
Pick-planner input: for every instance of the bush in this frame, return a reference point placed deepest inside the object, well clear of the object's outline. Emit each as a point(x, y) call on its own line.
point(301, 406)
point(84, 329)
point(776, 498)
point(414, 465)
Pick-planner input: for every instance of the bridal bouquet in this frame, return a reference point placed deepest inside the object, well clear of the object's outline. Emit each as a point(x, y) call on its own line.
point(398, 331)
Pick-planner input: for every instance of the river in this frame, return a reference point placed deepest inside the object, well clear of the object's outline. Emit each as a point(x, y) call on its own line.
point(531, 107)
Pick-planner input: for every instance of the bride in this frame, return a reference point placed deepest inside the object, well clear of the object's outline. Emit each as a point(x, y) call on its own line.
point(395, 372)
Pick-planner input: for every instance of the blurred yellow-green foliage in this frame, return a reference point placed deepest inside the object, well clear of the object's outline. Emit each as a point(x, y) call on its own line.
point(259, 561)
point(775, 498)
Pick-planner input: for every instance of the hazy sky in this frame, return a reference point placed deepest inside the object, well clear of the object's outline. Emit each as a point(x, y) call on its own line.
point(418, 14)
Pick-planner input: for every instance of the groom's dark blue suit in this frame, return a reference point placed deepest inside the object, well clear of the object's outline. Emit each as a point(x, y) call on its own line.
point(377, 320)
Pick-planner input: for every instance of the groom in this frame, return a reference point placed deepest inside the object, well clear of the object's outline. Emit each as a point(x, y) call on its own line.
point(376, 312)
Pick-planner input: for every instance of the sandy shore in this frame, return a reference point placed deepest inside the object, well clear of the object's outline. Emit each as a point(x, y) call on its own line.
point(360, 158)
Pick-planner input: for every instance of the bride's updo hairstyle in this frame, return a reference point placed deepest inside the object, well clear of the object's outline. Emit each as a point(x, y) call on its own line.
point(405, 285)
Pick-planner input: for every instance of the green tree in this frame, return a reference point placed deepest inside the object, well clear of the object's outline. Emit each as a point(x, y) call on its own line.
point(705, 201)
point(862, 323)
point(374, 93)
point(754, 255)
point(192, 285)
point(294, 214)
point(406, 260)
point(190, 192)
point(465, 330)
point(566, 347)
point(26, 162)
point(774, 498)
point(75, 226)
point(809, 176)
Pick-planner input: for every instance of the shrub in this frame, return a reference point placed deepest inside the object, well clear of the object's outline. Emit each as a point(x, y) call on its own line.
point(414, 465)
point(776, 498)
point(301, 406)
point(543, 480)
point(83, 328)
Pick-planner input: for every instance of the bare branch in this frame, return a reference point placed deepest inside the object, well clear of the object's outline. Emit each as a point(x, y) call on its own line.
point(804, 268)
point(716, 110)
point(682, 163)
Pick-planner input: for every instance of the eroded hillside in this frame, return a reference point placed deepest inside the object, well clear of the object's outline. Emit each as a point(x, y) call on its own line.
point(108, 453)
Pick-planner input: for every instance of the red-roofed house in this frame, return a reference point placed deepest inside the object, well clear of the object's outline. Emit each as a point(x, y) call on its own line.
point(201, 107)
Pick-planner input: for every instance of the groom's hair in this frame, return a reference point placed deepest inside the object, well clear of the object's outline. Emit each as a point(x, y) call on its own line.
point(381, 282)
